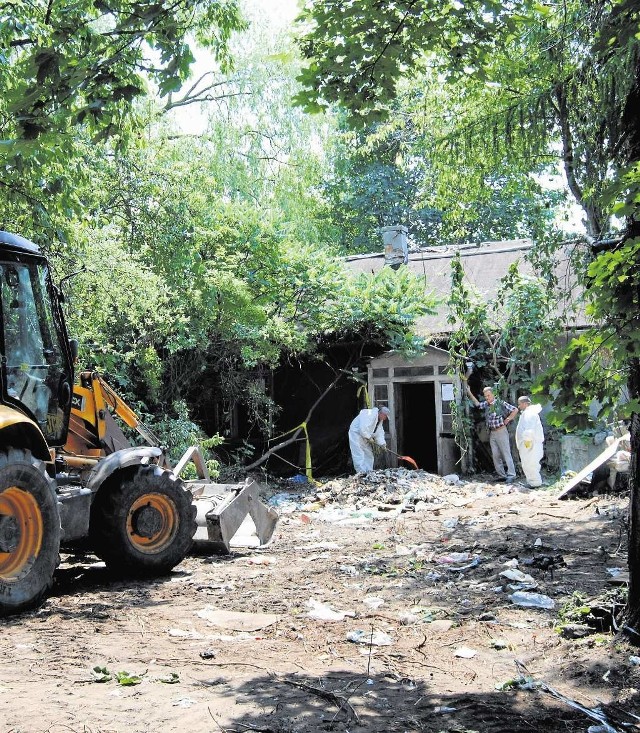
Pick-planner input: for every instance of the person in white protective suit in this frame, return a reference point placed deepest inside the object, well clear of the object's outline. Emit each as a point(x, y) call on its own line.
point(367, 429)
point(529, 440)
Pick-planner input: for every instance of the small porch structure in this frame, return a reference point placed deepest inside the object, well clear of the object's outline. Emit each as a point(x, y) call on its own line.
point(420, 393)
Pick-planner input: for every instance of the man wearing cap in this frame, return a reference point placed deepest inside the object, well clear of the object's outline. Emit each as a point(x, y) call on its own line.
point(365, 431)
point(498, 414)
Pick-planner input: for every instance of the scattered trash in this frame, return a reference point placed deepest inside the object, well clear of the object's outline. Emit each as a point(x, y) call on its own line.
point(613, 572)
point(408, 619)
point(522, 579)
point(451, 523)
point(349, 570)
point(209, 654)
point(403, 551)
point(499, 644)
point(451, 478)
point(237, 620)
point(299, 478)
point(464, 652)
point(377, 638)
point(459, 568)
point(512, 563)
point(323, 612)
point(373, 602)
point(169, 679)
point(285, 503)
point(261, 560)
point(538, 543)
point(634, 660)
point(183, 702)
point(532, 600)
point(443, 710)
point(452, 558)
point(101, 674)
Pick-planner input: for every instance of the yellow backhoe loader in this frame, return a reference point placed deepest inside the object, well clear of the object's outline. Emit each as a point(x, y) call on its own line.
point(67, 472)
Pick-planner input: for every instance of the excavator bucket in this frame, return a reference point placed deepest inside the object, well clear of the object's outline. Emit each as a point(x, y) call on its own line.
point(232, 515)
point(228, 515)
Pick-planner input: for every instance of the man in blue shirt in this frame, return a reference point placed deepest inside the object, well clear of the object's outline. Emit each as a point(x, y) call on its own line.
point(498, 414)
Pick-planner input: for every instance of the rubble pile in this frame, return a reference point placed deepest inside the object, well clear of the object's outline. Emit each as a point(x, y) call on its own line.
point(379, 493)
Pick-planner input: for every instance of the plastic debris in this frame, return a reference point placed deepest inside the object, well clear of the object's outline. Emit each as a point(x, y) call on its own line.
point(518, 576)
point(465, 652)
point(634, 660)
point(323, 612)
point(285, 503)
point(299, 478)
point(373, 602)
point(452, 558)
point(183, 702)
point(209, 654)
point(532, 600)
point(451, 478)
point(408, 619)
point(459, 568)
point(349, 570)
point(101, 674)
point(169, 679)
point(377, 638)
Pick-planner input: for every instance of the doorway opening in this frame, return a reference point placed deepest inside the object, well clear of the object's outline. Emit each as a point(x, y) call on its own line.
point(416, 424)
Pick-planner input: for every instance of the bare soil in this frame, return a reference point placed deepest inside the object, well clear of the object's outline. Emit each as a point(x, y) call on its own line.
point(461, 657)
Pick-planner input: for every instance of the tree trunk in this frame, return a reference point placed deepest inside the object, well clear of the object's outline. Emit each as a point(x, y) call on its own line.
point(631, 121)
point(633, 602)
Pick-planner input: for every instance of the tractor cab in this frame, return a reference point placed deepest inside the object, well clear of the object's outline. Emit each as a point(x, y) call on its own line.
point(36, 374)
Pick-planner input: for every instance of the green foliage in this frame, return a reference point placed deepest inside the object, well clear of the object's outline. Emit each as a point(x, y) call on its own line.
point(502, 337)
point(358, 49)
point(596, 364)
point(70, 74)
point(82, 64)
point(491, 84)
point(383, 307)
point(374, 184)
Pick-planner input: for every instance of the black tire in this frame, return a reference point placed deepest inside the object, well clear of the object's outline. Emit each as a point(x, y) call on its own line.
point(29, 531)
point(142, 522)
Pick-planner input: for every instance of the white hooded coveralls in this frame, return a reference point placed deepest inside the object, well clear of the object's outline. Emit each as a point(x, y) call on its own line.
point(529, 440)
point(363, 428)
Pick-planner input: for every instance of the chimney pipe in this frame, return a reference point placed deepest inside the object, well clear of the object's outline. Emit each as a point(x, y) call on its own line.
point(396, 250)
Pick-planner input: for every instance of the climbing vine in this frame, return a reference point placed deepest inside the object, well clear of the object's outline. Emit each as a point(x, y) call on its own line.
point(499, 339)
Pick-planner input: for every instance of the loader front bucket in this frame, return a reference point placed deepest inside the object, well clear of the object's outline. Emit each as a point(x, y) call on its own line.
point(231, 515)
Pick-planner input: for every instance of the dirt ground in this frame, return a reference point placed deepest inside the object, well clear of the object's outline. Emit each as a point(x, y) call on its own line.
point(426, 636)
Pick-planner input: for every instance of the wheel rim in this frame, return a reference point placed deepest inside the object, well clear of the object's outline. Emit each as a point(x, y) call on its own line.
point(22, 521)
point(152, 522)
